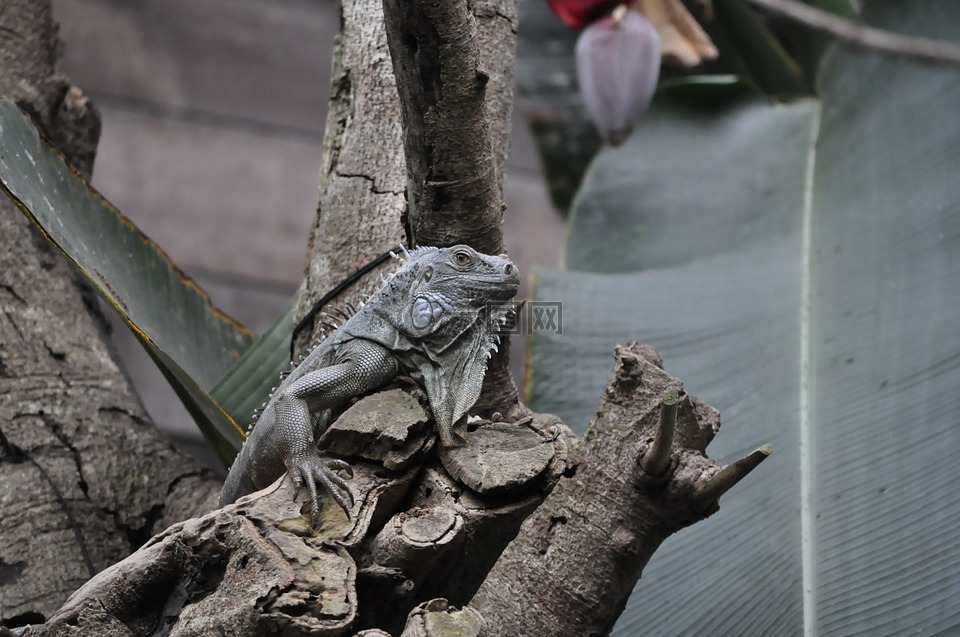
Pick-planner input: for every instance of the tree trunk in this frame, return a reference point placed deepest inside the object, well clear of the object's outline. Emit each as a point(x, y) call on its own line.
point(84, 476)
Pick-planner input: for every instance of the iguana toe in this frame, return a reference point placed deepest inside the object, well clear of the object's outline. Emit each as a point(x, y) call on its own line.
point(314, 470)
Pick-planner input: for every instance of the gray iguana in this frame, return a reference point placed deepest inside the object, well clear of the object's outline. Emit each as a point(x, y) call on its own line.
point(435, 319)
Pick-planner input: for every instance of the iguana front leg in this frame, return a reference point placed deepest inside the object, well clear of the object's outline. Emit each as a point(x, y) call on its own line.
point(367, 367)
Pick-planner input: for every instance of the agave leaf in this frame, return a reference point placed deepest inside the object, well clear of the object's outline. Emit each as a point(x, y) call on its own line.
point(797, 265)
point(191, 341)
point(252, 379)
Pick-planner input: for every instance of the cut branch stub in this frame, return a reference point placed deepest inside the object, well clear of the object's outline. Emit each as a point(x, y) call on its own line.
point(656, 459)
point(395, 441)
point(710, 491)
point(417, 538)
point(499, 458)
point(436, 618)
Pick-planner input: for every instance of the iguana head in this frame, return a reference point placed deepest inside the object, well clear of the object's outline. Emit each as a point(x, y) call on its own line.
point(440, 314)
point(450, 288)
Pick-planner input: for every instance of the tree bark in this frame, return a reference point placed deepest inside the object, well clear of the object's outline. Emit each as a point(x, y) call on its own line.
point(257, 567)
point(362, 198)
point(419, 544)
point(84, 476)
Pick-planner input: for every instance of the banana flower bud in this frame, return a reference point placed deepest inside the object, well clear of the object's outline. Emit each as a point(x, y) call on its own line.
point(618, 65)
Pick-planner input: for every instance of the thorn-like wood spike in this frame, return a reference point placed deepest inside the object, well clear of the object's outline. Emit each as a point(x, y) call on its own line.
point(730, 475)
point(656, 460)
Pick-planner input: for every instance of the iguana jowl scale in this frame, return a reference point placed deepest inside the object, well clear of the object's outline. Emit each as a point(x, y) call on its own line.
point(435, 319)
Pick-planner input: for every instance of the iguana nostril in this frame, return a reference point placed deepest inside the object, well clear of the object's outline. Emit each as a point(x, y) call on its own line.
point(509, 269)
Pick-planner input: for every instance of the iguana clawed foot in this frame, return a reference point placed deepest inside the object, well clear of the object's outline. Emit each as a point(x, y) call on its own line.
point(313, 469)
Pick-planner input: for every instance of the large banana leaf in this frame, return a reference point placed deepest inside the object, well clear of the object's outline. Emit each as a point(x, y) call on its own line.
point(799, 267)
point(192, 342)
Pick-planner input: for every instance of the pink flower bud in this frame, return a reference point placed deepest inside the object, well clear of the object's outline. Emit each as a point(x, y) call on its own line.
point(618, 64)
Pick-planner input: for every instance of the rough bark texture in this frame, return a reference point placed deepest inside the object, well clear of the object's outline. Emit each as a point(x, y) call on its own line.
point(258, 568)
point(84, 476)
point(418, 545)
point(577, 558)
point(452, 187)
point(363, 172)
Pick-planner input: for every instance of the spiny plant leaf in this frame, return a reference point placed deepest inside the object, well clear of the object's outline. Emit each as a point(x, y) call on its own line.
point(252, 379)
point(191, 341)
point(797, 265)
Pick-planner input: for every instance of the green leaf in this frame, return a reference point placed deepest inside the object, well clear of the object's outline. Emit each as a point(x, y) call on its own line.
point(763, 58)
point(799, 267)
point(254, 377)
point(807, 45)
point(191, 341)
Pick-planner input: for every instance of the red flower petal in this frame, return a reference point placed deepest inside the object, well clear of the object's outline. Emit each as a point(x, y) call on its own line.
point(580, 13)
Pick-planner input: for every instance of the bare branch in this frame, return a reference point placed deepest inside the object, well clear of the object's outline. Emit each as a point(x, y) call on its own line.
point(864, 37)
point(578, 556)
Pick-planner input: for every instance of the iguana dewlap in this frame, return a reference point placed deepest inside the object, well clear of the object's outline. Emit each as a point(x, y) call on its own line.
point(435, 319)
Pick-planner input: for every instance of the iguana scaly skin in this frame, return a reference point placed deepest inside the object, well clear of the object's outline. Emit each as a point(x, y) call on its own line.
point(435, 320)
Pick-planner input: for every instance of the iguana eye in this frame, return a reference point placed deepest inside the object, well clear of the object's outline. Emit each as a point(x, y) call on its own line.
point(461, 258)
